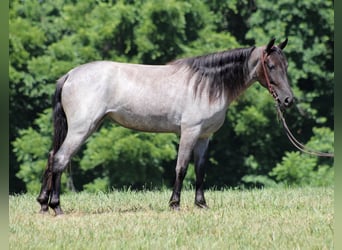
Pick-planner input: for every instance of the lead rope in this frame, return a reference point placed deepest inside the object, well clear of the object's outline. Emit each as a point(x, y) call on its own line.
point(296, 143)
point(289, 135)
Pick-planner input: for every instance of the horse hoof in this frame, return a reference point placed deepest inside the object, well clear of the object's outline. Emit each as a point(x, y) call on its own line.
point(59, 215)
point(44, 209)
point(58, 211)
point(201, 205)
point(174, 205)
point(175, 208)
point(44, 212)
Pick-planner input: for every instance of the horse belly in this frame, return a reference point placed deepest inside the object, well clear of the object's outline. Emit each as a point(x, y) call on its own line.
point(146, 123)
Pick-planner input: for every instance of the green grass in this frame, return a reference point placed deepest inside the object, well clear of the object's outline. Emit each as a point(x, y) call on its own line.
point(300, 218)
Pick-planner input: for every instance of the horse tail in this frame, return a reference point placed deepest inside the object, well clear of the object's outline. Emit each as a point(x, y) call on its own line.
point(60, 123)
point(60, 131)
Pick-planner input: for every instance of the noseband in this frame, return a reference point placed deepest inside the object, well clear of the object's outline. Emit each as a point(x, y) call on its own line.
point(291, 137)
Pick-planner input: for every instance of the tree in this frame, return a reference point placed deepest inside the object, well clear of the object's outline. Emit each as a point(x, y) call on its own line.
point(299, 169)
point(310, 29)
point(251, 142)
point(309, 25)
point(109, 31)
point(46, 40)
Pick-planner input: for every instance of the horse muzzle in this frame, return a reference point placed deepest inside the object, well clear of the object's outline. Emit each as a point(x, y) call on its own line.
point(288, 101)
point(285, 102)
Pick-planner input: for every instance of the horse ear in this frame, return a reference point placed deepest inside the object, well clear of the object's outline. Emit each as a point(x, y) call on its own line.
point(283, 44)
point(269, 46)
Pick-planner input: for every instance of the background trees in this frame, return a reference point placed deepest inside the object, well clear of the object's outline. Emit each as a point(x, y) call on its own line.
point(47, 38)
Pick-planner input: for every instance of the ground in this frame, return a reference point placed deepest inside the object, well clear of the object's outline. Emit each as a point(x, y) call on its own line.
point(292, 218)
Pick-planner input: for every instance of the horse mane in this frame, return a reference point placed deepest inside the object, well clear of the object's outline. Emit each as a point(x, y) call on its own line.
point(223, 71)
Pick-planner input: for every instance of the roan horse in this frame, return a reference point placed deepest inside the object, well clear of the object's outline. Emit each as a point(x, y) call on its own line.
point(189, 97)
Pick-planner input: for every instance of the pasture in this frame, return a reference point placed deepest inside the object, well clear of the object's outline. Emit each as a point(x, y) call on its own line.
point(290, 218)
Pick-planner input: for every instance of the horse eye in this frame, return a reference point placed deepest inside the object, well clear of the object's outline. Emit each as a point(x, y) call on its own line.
point(270, 66)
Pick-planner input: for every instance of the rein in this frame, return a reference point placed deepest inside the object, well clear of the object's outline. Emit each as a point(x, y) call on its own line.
point(291, 137)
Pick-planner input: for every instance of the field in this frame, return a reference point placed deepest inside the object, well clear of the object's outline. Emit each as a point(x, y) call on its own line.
point(299, 218)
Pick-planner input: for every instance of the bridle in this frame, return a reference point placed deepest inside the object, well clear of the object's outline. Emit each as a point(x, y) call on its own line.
point(268, 82)
point(291, 137)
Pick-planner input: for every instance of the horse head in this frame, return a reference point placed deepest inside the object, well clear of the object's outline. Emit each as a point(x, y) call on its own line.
point(273, 73)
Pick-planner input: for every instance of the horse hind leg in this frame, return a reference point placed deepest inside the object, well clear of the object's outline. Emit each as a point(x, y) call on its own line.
point(50, 190)
point(57, 163)
point(45, 191)
point(49, 193)
point(54, 202)
point(71, 144)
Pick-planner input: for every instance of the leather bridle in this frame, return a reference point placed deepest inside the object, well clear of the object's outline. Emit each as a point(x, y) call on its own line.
point(291, 137)
point(268, 82)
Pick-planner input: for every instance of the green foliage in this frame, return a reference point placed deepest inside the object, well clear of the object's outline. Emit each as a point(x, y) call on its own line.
point(257, 143)
point(119, 157)
point(207, 44)
point(258, 181)
point(165, 29)
point(300, 169)
point(48, 38)
point(309, 25)
point(128, 158)
point(97, 185)
point(30, 149)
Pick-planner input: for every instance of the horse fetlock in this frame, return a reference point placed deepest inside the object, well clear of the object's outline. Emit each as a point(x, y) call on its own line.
point(55, 205)
point(54, 202)
point(43, 198)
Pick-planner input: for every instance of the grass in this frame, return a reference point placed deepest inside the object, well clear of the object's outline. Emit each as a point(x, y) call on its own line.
point(300, 218)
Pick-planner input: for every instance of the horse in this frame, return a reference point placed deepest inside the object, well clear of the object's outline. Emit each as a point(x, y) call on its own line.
point(189, 97)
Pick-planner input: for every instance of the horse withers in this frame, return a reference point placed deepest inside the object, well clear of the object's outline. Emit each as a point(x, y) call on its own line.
point(188, 96)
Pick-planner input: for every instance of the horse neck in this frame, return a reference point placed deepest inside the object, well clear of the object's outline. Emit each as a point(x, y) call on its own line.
point(251, 74)
point(254, 65)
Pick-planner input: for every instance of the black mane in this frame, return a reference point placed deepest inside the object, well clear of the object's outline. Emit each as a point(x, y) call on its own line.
point(223, 71)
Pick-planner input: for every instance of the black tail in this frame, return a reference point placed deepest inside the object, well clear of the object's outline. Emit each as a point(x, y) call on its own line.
point(59, 119)
point(60, 131)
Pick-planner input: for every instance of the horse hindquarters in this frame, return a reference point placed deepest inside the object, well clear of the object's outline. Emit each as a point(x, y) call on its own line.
point(72, 126)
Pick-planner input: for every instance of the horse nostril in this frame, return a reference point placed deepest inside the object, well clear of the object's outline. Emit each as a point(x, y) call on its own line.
point(288, 101)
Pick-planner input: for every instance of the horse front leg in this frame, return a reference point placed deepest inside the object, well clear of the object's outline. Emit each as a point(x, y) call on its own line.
point(187, 142)
point(200, 159)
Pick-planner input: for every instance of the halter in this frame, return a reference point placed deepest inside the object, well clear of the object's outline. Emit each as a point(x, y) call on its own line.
point(291, 137)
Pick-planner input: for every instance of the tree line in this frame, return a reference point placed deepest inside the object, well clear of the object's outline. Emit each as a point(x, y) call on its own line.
point(48, 38)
